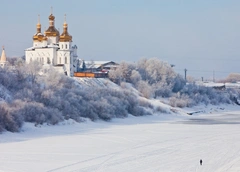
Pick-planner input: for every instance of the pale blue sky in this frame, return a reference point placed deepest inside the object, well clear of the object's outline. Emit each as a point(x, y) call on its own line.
point(200, 35)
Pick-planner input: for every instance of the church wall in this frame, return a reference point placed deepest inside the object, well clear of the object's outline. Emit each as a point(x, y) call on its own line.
point(52, 40)
point(44, 43)
point(63, 58)
point(36, 44)
point(60, 57)
point(65, 45)
point(28, 56)
point(42, 55)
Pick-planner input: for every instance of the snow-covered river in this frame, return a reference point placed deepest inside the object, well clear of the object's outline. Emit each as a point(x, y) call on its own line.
point(142, 144)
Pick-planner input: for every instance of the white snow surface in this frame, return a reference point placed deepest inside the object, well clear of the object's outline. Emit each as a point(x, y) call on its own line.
point(95, 82)
point(157, 143)
point(214, 84)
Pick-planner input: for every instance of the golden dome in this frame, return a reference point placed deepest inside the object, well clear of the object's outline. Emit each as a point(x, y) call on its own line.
point(44, 38)
point(51, 17)
point(65, 36)
point(38, 36)
point(51, 31)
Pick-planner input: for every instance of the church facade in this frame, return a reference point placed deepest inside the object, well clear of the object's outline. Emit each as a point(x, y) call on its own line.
point(53, 49)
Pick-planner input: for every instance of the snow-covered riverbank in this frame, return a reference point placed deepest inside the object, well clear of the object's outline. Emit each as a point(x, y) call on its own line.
point(144, 144)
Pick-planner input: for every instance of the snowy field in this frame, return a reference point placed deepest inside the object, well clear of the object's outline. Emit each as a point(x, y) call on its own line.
point(136, 144)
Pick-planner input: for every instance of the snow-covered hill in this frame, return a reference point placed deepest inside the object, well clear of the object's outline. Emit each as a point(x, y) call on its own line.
point(95, 82)
point(168, 140)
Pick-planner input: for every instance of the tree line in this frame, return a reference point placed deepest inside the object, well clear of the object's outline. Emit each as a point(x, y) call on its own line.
point(32, 93)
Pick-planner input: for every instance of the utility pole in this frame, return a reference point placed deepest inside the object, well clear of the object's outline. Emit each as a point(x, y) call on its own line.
point(185, 70)
point(213, 76)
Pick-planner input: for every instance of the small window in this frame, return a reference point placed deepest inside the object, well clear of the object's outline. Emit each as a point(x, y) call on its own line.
point(66, 46)
point(60, 60)
point(42, 60)
point(65, 60)
point(48, 61)
point(62, 46)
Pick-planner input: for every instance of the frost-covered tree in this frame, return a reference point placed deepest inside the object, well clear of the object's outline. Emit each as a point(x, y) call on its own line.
point(158, 77)
point(232, 78)
point(144, 88)
point(83, 66)
point(9, 121)
point(122, 73)
point(32, 70)
point(135, 77)
point(178, 83)
point(154, 70)
point(27, 96)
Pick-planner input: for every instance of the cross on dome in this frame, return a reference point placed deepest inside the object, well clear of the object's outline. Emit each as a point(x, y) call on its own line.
point(65, 21)
point(38, 24)
point(51, 17)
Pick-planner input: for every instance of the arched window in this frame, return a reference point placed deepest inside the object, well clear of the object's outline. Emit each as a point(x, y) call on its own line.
point(42, 60)
point(60, 60)
point(48, 61)
point(66, 46)
point(65, 60)
point(62, 46)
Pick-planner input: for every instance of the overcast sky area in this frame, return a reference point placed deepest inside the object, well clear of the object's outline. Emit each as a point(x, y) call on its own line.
point(200, 35)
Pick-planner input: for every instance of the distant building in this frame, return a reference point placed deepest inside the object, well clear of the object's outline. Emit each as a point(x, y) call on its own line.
point(100, 66)
point(53, 49)
point(3, 60)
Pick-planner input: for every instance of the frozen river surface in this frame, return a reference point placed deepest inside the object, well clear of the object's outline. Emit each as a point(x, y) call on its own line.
point(142, 144)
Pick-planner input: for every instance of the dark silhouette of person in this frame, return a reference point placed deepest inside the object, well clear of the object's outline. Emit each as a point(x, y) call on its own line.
point(200, 161)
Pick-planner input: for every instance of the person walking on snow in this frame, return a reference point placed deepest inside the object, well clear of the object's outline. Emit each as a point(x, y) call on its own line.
point(200, 161)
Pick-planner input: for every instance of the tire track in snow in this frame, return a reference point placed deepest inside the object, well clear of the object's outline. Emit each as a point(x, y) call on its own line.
point(91, 159)
point(212, 138)
point(133, 158)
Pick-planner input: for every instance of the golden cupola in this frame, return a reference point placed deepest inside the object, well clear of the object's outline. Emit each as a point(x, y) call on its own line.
point(38, 36)
point(51, 31)
point(65, 36)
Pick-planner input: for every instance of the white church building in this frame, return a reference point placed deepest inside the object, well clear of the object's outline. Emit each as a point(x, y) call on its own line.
point(53, 49)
